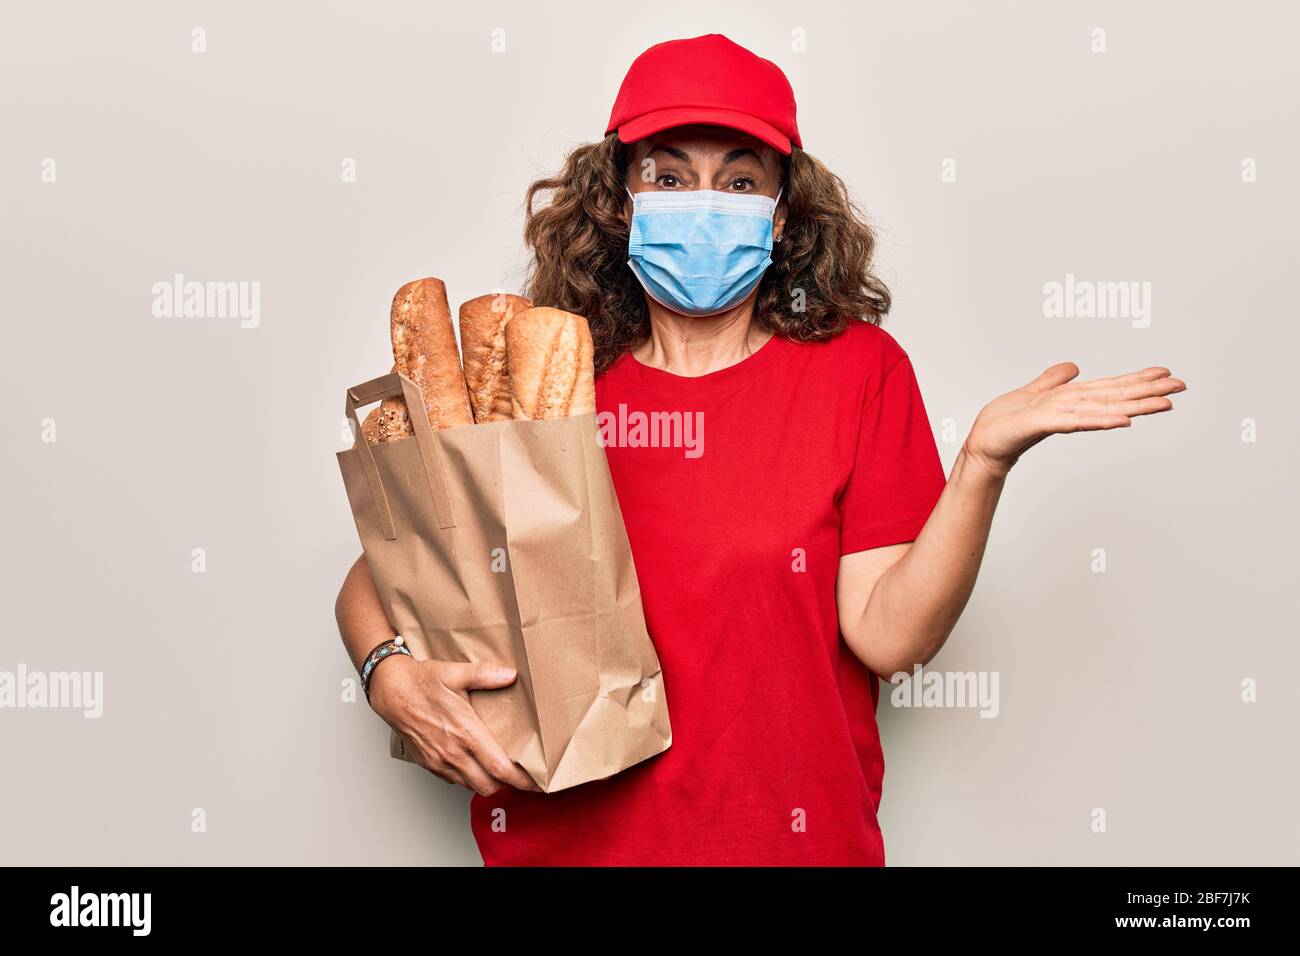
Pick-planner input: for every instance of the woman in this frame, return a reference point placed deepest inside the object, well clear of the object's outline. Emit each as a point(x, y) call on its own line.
point(802, 545)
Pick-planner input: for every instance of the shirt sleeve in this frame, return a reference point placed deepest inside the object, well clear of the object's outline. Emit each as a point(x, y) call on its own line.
point(897, 476)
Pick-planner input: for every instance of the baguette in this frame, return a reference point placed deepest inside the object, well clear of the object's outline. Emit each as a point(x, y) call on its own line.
point(483, 342)
point(424, 346)
point(551, 364)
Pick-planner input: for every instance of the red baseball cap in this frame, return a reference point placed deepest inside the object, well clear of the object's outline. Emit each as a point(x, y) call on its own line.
point(707, 79)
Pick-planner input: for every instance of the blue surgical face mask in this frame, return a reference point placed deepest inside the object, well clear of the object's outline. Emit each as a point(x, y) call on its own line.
point(700, 252)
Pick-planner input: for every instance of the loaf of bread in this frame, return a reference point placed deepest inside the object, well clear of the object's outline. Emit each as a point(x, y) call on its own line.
point(483, 324)
point(550, 355)
point(424, 347)
point(372, 428)
point(387, 421)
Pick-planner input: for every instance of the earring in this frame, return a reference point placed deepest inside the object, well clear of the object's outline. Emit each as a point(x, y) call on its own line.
point(777, 239)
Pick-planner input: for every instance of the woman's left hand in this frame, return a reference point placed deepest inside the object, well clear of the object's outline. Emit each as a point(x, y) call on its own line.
point(1052, 404)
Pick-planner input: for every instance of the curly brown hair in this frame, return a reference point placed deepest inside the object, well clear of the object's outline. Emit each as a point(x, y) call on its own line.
point(579, 253)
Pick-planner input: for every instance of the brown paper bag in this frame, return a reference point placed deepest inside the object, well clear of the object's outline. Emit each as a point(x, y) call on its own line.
point(504, 542)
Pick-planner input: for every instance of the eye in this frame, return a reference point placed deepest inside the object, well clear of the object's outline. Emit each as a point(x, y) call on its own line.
point(741, 184)
point(668, 181)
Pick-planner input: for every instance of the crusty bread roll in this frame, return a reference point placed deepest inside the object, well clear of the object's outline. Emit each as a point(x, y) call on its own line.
point(424, 345)
point(483, 343)
point(551, 364)
point(372, 428)
point(387, 421)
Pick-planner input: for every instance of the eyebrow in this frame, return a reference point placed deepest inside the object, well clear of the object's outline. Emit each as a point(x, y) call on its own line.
point(675, 153)
point(731, 157)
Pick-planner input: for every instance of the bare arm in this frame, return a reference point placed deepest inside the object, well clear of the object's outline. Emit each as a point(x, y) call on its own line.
point(363, 624)
point(899, 604)
point(427, 702)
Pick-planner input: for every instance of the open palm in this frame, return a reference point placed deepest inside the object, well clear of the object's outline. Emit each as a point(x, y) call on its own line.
point(1054, 404)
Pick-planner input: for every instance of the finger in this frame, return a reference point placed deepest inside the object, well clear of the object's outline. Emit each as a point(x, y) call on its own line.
point(1111, 397)
point(1158, 387)
point(449, 774)
point(1155, 373)
point(1097, 421)
point(493, 758)
point(1057, 375)
point(473, 736)
point(1099, 411)
point(476, 776)
point(476, 675)
point(428, 758)
point(1143, 399)
point(1144, 406)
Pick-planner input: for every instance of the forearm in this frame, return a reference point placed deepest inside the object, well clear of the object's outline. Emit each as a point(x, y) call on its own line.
point(363, 623)
point(915, 604)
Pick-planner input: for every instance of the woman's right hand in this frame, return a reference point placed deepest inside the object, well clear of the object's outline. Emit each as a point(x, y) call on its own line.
point(427, 703)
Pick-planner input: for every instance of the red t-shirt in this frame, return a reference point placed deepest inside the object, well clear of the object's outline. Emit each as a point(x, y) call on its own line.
point(806, 452)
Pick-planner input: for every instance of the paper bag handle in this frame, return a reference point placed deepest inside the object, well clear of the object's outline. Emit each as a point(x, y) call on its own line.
point(388, 386)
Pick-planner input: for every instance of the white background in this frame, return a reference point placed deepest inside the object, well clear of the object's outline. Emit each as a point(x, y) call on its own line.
point(1119, 690)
